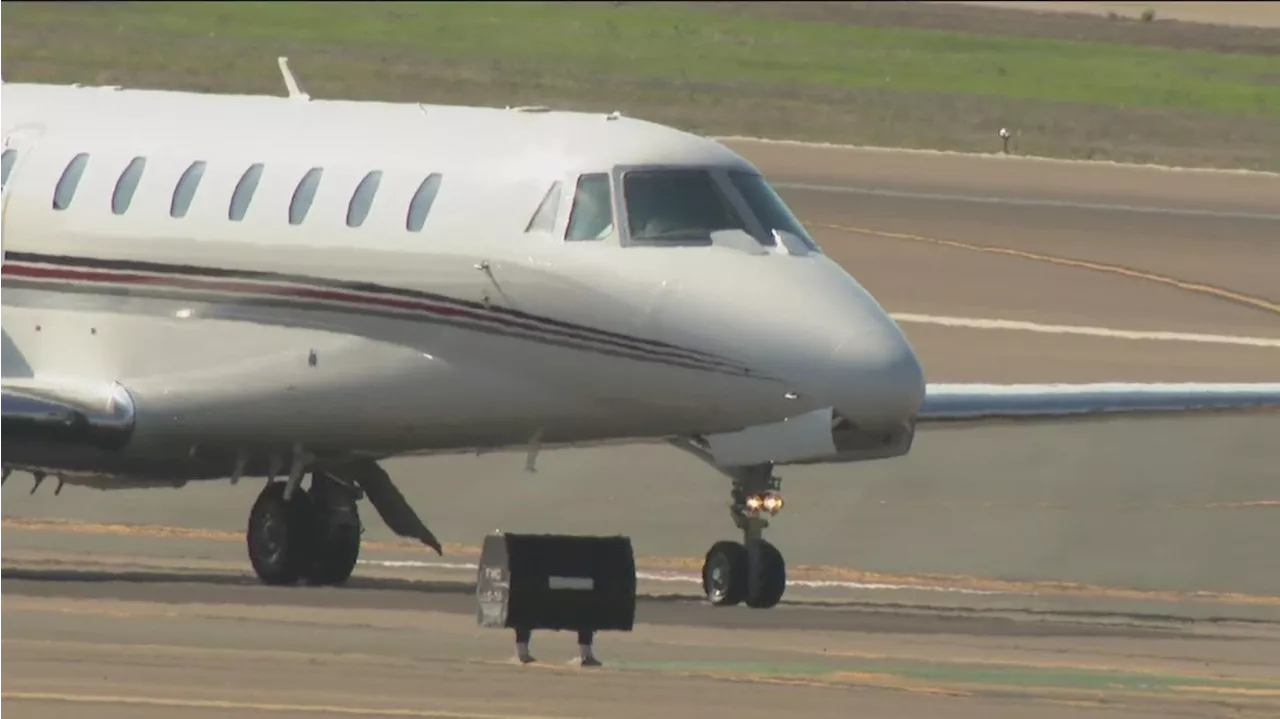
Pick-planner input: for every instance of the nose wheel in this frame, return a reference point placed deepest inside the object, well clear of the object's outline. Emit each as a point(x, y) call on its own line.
point(750, 572)
point(730, 576)
point(724, 574)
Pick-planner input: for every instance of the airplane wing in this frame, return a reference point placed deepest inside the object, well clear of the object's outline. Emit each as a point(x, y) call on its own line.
point(960, 404)
point(824, 437)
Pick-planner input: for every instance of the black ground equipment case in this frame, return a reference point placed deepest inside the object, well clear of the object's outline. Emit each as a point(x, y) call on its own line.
point(559, 582)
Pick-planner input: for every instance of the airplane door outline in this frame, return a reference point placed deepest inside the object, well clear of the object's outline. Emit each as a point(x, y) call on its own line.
point(22, 139)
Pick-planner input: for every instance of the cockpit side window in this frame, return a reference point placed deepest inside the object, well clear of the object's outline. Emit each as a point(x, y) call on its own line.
point(544, 218)
point(9, 156)
point(592, 215)
point(768, 206)
point(674, 205)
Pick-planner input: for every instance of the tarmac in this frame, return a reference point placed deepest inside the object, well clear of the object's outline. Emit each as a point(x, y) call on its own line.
point(1124, 568)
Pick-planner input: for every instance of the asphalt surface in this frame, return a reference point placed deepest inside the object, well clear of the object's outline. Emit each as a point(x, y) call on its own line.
point(1110, 569)
point(124, 658)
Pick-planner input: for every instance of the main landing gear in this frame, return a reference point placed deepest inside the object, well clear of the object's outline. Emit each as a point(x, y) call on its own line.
point(753, 571)
point(313, 536)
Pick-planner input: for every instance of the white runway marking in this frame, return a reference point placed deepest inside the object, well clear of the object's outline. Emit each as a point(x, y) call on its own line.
point(687, 578)
point(1022, 326)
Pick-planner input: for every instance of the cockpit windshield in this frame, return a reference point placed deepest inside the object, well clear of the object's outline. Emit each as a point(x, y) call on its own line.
point(675, 205)
point(768, 207)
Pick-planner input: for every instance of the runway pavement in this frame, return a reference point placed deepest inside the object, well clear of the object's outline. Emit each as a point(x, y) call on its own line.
point(224, 651)
point(1072, 557)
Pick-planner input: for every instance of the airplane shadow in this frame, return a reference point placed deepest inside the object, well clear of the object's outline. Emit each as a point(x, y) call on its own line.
point(355, 582)
point(458, 597)
point(151, 577)
point(378, 593)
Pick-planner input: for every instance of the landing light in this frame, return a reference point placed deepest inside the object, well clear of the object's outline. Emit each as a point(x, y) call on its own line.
point(771, 503)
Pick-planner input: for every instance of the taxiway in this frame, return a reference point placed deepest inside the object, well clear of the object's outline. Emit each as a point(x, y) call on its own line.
point(1102, 570)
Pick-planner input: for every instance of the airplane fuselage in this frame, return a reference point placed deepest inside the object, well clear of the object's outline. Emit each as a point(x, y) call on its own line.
point(430, 295)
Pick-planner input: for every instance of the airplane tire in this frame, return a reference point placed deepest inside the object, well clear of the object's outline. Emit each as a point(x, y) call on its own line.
point(279, 536)
point(724, 574)
point(336, 543)
point(771, 581)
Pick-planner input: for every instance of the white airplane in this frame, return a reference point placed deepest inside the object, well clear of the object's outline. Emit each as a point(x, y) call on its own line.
point(204, 287)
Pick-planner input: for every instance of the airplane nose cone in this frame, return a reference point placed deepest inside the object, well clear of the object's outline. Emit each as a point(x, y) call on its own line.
point(876, 379)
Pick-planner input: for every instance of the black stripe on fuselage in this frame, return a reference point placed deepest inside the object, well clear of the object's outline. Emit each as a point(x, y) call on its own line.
point(334, 284)
point(262, 289)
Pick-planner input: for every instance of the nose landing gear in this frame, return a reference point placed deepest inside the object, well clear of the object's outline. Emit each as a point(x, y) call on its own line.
point(753, 571)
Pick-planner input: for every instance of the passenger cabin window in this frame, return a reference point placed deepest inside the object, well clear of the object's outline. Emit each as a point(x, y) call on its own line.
point(65, 190)
point(591, 217)
point(127, 185)
point(544, 218)
point(185, 190)
point(6, 164)
point(244, 192)
point(362, 199)
point(303, 195)
point(769, 207)
point(675, 205)
point(421, 203)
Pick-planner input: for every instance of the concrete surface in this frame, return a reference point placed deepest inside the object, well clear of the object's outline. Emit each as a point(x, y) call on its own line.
point(979, 540)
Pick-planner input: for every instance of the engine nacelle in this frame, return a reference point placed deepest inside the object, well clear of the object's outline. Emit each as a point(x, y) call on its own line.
point(98, 417)
point(818, 437)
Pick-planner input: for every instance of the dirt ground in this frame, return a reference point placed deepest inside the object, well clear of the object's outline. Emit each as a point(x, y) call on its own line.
point(1002, 19)
point(97, 50)
point(1249, 13)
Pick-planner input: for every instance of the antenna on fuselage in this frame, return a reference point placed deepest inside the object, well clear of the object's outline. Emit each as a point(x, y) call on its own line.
point(291, 82)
